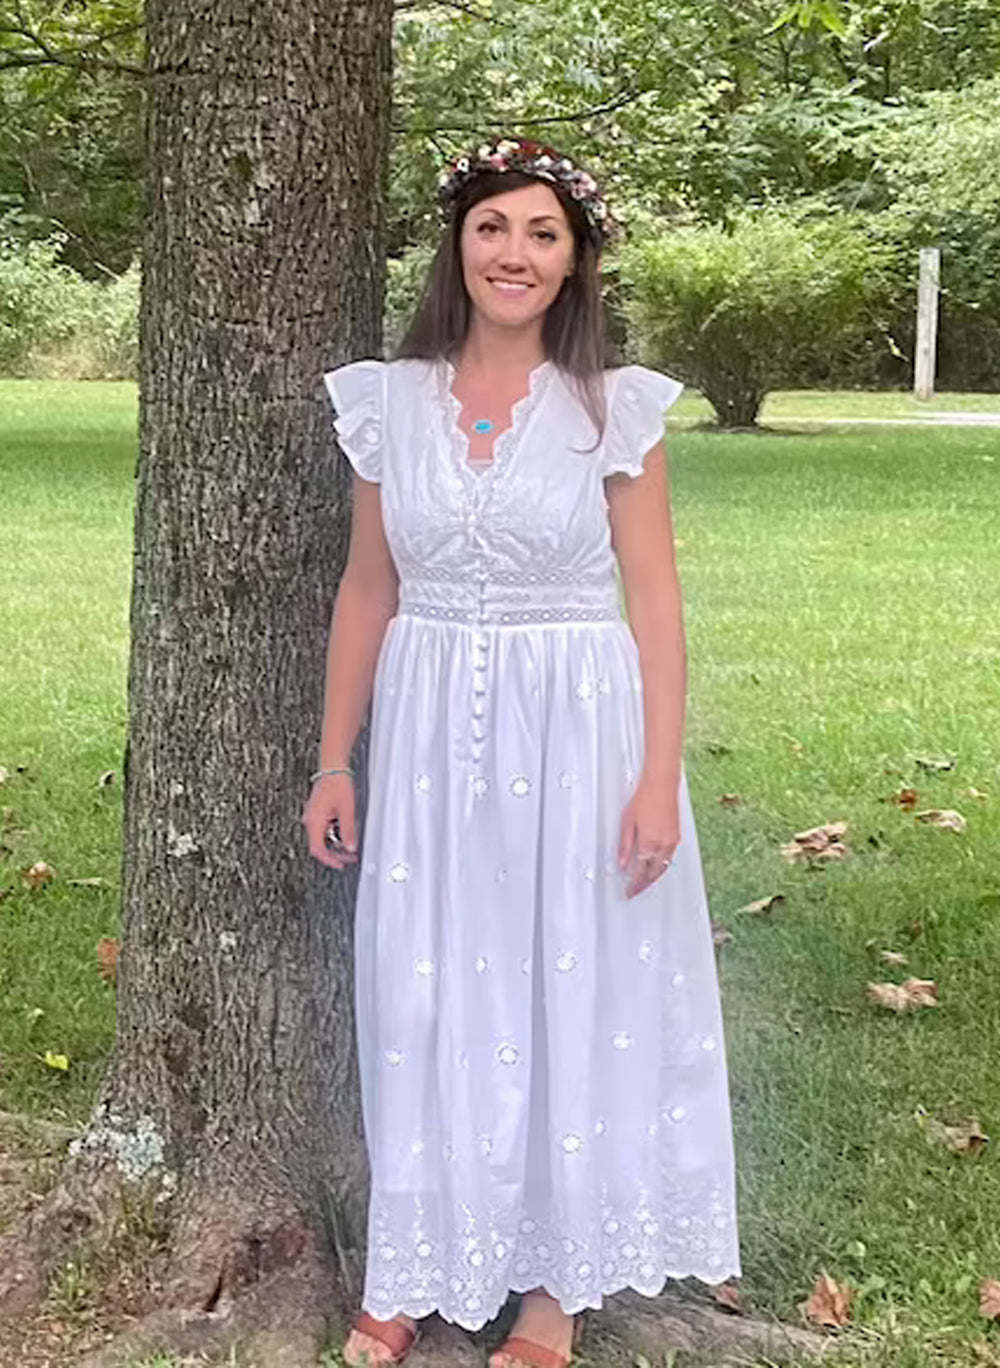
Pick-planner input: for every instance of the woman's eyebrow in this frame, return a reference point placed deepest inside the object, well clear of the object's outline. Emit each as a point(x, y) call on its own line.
point(537, 218)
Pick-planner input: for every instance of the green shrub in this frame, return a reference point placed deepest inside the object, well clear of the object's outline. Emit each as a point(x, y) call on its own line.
point(40, 300)
point(741, 310)
point(404, 285)
point(54, 322)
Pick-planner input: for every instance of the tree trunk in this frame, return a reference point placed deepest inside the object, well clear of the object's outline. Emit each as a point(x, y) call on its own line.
point(735, 405)
point(232, 1092)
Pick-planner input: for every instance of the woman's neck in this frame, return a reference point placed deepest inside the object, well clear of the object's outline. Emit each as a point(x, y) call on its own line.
point(501, 350)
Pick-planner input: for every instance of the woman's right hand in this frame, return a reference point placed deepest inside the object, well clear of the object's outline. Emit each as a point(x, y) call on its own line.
point(332, 800)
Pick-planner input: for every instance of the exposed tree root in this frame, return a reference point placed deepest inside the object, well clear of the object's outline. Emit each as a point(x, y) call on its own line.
point(249, 1272)
point(86, 1204)
point(52, 1133)
point(251, 1275)
point(445, 1346)
point(280, 1325)
point(651, 1326)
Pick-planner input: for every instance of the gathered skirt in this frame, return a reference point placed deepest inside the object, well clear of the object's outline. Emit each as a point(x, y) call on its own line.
point(542, 1059)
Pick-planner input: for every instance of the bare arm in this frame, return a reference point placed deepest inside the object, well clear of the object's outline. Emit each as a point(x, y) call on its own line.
point(642, 536)
point(366, 599)
point(643, 540)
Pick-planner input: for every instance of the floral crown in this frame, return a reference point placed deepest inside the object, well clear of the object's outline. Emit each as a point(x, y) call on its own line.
point(533, 159)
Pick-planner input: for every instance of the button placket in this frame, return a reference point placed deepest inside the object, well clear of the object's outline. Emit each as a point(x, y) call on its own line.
point(480, 650)
point(477, 720)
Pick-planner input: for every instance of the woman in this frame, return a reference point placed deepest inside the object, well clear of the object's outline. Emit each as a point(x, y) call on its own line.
point(543, 1074)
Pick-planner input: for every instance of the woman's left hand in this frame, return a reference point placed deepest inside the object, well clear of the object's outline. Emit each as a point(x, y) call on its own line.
point(650, 833)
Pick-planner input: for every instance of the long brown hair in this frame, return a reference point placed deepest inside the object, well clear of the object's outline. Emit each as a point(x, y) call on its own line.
point(573, 330)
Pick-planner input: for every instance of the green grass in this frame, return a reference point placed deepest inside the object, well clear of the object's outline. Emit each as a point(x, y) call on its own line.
point(789, 406)
point(67, 457)
point(841, 594)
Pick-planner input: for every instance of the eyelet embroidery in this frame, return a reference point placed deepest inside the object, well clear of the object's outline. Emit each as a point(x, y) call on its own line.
point(462, 1259)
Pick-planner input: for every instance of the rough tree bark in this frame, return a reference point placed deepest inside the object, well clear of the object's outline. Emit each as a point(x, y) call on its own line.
point(231, 1103)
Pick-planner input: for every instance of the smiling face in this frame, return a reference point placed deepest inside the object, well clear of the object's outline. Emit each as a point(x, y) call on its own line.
point(517, 249)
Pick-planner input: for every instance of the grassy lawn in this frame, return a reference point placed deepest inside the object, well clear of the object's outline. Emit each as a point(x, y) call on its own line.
point(790, 406)
point(841, 592)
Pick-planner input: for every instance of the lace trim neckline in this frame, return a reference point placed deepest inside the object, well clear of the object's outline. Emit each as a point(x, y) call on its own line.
point(505, 443)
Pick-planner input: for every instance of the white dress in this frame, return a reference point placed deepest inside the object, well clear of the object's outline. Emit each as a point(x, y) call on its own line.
point(543, 1071)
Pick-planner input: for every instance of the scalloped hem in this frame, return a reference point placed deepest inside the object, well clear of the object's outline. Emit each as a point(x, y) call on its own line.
point(418, 1311)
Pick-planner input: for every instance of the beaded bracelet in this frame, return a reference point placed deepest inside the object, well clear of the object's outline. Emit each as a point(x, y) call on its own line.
point(315, 776)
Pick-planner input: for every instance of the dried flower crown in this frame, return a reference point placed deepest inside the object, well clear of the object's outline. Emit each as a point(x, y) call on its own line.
point(533, 159)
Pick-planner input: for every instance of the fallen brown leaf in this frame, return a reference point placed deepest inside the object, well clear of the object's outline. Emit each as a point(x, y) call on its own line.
point(730, 800)
point(830, 1303)
point(904, 997)
point(975, 793)
point(818, 843)
point(906, 798)
point(968, 1138)
point(762, 905)
point(727, 1294)
point(720, 936)
point(945, 818)
point(989, 1298)
point(107, 957)
point(39, 873)
point(107, 778)
point(935, 763)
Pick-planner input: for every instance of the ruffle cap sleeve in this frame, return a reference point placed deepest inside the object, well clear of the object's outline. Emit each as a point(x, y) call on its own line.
point(639, 398)
point(357, 392)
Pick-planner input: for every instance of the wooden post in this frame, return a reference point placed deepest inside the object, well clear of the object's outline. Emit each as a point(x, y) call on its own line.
point(927, 323)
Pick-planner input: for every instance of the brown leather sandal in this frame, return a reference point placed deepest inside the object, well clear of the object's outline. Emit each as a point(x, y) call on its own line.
point(399, 1339)
point(535, 1355)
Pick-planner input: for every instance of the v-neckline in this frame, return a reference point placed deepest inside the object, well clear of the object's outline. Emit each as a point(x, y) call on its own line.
point(505, 443)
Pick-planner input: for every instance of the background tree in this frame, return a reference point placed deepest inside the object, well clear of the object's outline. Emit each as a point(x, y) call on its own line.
point(71, 115)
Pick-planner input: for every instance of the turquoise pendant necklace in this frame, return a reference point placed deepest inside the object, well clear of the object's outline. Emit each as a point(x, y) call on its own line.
point(483, 425)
